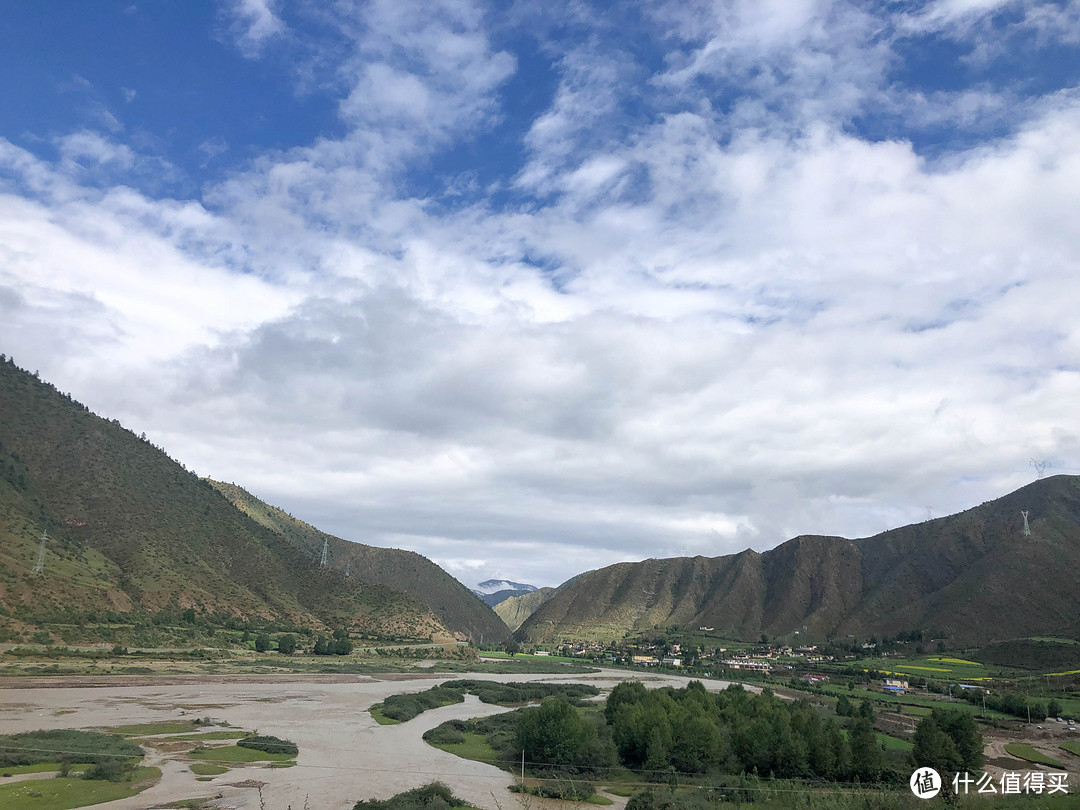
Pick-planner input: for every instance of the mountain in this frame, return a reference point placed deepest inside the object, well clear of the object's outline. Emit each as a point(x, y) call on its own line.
point(130, 528)
point(516, 609)
point(456, 606)
point(494, 591)
point(971, 577)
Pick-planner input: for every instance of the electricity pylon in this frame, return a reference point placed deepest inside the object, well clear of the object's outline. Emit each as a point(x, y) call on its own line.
point(40, 564)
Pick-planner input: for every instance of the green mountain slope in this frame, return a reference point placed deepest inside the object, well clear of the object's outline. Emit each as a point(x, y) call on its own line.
point(456, 606)
point(973, 577)
point(129, 527)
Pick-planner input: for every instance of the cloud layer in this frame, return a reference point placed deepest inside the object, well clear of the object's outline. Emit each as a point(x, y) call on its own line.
point(733, 274)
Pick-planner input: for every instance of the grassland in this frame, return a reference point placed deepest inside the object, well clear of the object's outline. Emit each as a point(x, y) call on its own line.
point(40, 767)
point(1030, 754)
point(1072, 746)
point(210, 735)
point(234, 753)
point(474, 747)
point(380, 718)
point(65, 793)
point(153, 729)
point(207, 768)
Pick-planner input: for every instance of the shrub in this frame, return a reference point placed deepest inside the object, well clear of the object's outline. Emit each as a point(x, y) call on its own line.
point(271, 745)
point(433, 796)
point(564, 789)
point(448, 733)
point(112, 770)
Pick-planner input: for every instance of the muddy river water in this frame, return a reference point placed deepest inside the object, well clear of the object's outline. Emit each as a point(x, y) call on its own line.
point(344, 754)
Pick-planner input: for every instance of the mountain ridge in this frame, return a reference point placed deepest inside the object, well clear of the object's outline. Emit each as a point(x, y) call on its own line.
point(131, 529)
point(455, 604)
point(973, 576)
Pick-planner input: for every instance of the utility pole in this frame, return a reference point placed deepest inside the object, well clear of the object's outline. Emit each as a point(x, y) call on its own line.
point(40, 564)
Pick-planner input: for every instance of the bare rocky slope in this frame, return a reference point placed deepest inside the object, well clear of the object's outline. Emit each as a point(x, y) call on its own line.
point(516, 609)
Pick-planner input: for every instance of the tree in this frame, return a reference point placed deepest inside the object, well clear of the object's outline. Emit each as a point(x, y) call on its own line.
point(966, 739)
point(322, 646)
point(623, 693)
point(554, 733)
point(1053, 708)
point(287, 644)
point(843, 706)
point(865, 751)
point(866, 711)
point(934, 748)
point(262, 642)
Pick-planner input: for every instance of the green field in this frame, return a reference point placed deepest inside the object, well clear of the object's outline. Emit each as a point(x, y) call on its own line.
point(889, 742)
point(911, 703)
point(527, 657)
point(40, 767)
point(474, 747)
point(936, 667)
point(210, 735)
point(1072, 746)
point(1030, 754)
point(149, 729)
point(234, 753)
point(380, 718)
point(66, 793)
point(207, 768)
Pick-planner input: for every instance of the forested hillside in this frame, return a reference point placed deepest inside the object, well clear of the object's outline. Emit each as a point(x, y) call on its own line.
point(129, 528)
point(455, 605)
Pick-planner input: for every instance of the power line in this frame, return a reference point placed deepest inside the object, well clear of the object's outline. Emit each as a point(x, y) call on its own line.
point(857, 787)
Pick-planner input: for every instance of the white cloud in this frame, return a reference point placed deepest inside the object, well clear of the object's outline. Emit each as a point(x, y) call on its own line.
point(254, 22)
point(718, 324)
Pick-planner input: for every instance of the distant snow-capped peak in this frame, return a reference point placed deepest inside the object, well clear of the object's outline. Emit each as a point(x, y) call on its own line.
point(491, 586)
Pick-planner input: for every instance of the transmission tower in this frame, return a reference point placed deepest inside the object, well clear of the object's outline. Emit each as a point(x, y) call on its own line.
point(1040, 465)
point(1027, 528)
point(40, 564)
point(325, 549)
point(348, 565)
point(929, 513)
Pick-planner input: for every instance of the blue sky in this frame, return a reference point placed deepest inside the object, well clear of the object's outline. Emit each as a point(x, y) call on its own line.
point(536, 287)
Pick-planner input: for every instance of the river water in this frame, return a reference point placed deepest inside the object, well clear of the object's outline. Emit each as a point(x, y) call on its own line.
point(344, 754)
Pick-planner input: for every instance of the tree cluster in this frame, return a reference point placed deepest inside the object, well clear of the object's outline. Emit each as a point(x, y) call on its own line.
point(692, 731)
point(948, 741)
point(339, 644)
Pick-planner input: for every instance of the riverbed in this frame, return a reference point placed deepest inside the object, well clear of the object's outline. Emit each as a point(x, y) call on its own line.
point(344, 754)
